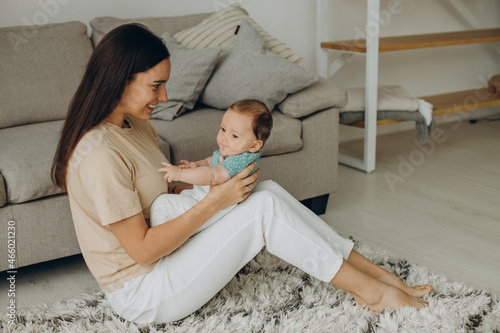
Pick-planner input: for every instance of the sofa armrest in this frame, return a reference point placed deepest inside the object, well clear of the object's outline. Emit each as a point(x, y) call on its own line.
point(323, 94)
point(312, 170)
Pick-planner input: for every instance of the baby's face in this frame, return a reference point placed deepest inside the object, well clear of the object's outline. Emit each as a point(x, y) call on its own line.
point(235, 134)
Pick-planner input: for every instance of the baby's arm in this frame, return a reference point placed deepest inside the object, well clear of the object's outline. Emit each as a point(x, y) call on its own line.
point(202, 175)
point(188, 165)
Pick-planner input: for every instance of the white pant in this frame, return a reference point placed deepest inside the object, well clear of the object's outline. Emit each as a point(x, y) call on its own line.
point(167, 207)
point(182, 282)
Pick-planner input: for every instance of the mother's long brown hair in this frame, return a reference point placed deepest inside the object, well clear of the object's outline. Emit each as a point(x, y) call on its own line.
point(125, 51)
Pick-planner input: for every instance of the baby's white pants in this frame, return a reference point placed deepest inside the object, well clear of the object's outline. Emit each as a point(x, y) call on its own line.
point(182, 282)
point(167, 207)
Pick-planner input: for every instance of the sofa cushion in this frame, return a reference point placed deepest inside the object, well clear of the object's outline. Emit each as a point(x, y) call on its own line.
point(189, 73)
point(219, 29)
point(193, 136)
point(42, 68)
point(26, 155)
point(247, 69)
point(321, 95)
point(104, 24)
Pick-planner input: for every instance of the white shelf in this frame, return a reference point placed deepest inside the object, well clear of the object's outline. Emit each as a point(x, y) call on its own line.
point(372, 46)
point(366, 164)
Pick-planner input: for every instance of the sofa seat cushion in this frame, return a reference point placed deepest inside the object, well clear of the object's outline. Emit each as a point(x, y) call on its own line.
point(41, 68)
point(193, 136)
point(26, 155)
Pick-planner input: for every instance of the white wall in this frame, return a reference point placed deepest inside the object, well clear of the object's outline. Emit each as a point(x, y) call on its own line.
point(290, 21)
point(425, 71)
point(421, 72)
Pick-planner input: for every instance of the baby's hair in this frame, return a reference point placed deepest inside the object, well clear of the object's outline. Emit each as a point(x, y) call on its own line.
point(258, 111)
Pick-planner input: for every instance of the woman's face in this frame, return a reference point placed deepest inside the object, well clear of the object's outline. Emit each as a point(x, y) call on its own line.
point(142, 94)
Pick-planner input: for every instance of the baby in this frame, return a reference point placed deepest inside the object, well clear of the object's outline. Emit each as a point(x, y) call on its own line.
point(245, 127)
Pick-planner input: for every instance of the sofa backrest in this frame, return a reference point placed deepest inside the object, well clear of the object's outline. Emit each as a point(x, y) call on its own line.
point(159, 25)
point(40, 69)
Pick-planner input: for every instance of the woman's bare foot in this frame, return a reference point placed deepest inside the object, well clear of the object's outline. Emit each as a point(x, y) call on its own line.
point(375, 294)
point(377, 272)
point(415, 291)
point(390, 298)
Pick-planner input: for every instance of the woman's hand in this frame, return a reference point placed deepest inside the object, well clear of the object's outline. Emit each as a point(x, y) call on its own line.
point(235, 190)
point(145, 245)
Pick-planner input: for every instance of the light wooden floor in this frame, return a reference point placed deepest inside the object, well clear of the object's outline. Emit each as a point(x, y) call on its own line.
point(441, 211)
point(439, 208)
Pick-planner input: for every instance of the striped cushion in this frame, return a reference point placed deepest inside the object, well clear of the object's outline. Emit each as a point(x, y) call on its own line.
point(218, 30)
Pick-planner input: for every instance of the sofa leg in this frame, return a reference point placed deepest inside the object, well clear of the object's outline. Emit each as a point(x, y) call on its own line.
point(317, 204)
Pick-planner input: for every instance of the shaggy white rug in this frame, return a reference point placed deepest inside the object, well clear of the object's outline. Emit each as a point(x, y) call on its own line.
point(269, 295)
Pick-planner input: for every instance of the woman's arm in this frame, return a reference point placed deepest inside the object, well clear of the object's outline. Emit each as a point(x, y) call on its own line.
point(145, 245)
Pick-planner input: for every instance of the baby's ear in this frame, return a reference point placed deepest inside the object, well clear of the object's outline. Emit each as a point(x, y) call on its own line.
point(256, 146)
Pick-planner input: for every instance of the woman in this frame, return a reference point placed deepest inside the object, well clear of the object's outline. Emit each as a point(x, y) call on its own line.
point(107, 160)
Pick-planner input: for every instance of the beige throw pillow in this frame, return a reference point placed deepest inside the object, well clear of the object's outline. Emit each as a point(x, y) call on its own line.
point(219, 30)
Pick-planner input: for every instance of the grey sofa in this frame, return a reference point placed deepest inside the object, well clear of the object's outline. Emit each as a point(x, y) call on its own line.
point(40, 69)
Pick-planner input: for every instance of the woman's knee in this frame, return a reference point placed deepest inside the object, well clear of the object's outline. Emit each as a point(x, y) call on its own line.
point(263, 192)
point(273, 190)
point(269, 185)
point(266, 198)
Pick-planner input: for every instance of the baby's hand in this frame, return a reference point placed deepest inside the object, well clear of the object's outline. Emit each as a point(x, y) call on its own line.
point(188, 165)
point(172, 172)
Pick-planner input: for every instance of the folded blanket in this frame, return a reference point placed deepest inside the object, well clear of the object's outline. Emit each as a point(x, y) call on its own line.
point(494, 85)
point(389, 98)
point(423, 130)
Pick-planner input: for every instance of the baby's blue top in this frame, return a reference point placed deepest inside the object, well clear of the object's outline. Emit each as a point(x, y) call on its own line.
point(236, 164)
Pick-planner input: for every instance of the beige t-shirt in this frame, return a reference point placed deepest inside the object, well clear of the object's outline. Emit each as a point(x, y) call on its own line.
point(113, 174)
